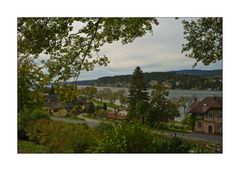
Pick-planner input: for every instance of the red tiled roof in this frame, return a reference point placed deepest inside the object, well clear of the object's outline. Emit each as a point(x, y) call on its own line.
point(204, 105)
point(112, 115)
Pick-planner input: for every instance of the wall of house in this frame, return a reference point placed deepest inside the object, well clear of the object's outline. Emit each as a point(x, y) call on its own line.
point(207, 121)
point(59, 112)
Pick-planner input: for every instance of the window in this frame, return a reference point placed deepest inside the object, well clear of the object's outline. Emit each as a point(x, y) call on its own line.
point(219, 126)
point(199, 124)
point(210, 114)
point(220, 115)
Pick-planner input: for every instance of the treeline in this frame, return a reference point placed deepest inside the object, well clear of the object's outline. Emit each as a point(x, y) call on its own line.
point(171, 80)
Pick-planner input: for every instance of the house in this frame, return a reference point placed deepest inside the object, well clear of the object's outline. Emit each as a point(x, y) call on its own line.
point(121, 115)
point(208, 115)
point(60, 108)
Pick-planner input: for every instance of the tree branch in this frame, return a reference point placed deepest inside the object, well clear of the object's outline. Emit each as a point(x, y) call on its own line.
point(89, 46)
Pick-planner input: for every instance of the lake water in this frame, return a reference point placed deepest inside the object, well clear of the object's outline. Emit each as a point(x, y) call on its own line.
point(199, 94)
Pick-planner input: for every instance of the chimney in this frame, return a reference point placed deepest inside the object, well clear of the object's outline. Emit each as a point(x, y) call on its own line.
point(204, 107)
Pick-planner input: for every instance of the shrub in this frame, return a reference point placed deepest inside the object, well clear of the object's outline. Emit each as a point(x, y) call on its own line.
point(62, 137)
point(30, 147)
point(126, 137)
point(27, 115)
point(101, 113)
point(172, 145)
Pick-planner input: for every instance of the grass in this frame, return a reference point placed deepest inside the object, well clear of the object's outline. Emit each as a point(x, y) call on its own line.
point(30, 147)
point(99, 103)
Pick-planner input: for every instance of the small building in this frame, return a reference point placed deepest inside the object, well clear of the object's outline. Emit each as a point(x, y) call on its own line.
point(62, 109)
point(208, 115)
point(121, 115)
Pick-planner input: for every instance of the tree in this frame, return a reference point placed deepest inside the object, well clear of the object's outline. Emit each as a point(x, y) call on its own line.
point(122, 96)
point(30, 85)
point(137, 92)
point(68, 52)
point(203, 40)
point(71, 52)
point(183, 102)
point(90, 92)
point(67, 93)
point(107, 92)
point(90, 108)
point(104, 106)
point(52, 90)
point(100, 95)
point(161, 109)
point(113, 97)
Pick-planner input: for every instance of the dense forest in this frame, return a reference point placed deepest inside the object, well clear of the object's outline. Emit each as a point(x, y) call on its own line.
point(184, 79)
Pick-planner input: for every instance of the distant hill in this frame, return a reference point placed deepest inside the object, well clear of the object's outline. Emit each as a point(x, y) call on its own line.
point(208, 73)
point(183, 79)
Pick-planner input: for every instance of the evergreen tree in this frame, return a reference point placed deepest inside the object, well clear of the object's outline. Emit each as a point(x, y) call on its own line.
point(137, 92)
point(104, 106)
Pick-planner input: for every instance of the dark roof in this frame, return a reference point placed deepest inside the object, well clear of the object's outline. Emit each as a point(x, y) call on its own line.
point(204, 105)
point(55, 105)
point(51, 98)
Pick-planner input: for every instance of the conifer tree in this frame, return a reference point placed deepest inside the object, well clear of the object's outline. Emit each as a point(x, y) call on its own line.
point(137, 93)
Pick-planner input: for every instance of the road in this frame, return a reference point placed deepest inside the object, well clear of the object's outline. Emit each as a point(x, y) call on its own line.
point(89, 122)
point(196, 136)
point(192, 135)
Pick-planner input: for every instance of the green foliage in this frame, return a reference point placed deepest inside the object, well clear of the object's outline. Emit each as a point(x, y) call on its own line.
point(60, 137)
point(27, 115)
point(189, 121)
point(212, 80)
point(89, 92)
point(137, 92)
point(90, 108)
point(30, 147)
point(172, 145)
point(104, 106)
point(203, 40)
point(72, 52)
point(67, 93)
point(126, 137)
point(161, 109)
point(30, 84)
point(122, 96)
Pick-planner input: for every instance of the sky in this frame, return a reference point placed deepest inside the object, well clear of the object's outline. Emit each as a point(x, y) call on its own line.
point(160, 51)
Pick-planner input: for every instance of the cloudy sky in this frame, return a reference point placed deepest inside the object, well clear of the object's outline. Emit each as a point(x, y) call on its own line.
point(158, 52)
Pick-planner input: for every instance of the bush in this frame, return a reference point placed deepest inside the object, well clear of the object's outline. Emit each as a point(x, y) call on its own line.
point(30, 147)
point(101, 113)
point(126, 137)
point(27, 115)
point(172, 145)
point(60, 137)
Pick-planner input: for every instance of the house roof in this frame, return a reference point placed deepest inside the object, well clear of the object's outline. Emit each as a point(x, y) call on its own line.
point(204, 105)
point(51, 98)
point(113, 115)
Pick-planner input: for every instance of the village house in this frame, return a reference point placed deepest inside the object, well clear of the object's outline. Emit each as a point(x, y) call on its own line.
point(120, 115)
point(61, 109)
point(208, 114)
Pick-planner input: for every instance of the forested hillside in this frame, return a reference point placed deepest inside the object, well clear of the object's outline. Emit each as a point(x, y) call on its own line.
point(184, 79)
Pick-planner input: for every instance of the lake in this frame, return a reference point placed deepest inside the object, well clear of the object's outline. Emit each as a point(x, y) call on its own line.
point(199, 94)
